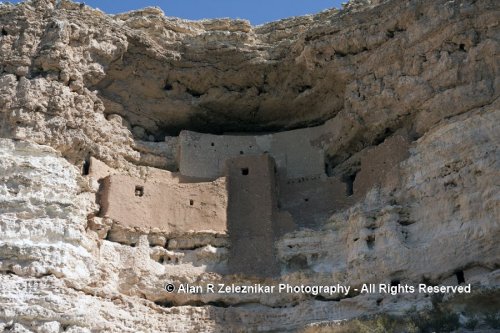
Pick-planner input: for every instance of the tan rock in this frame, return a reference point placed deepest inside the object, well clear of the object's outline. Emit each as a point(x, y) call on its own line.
point(382, 120)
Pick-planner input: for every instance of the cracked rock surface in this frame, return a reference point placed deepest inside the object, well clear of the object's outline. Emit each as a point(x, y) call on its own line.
point(76, 83)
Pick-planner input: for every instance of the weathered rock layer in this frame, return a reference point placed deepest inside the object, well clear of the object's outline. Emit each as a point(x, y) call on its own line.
point(76, 85)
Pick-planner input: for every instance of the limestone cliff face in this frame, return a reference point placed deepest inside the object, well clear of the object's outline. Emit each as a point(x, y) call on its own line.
point(77, 84)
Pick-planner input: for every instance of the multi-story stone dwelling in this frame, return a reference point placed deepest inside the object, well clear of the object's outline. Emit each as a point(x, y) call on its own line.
point(252, 188)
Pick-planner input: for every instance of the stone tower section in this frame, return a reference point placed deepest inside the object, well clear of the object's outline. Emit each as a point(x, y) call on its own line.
point(251, 207)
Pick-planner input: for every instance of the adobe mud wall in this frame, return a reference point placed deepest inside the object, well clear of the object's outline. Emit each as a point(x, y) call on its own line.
point(295, 154)
point(380, 164)
point(252, 206)
point(174, 202)
point(311, 201)
point(160, 202)
point(75, 83)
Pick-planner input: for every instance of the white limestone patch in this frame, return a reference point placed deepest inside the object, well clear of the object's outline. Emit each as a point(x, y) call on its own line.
point(41, 222)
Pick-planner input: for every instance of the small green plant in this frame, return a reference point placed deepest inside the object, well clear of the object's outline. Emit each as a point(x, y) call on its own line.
point(471, 323)
point(384, 324)
point(441, 322)
point(492, 320)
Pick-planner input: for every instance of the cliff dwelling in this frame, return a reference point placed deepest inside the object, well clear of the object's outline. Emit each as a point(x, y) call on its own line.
point(145, 157)
point(252, 188)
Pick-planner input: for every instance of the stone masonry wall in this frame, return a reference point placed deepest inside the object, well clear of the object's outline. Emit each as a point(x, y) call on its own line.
point(159, 202)
point(251, 206)
point(203, 155)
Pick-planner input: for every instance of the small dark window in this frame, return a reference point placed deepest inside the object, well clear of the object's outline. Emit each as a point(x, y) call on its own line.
point(4, 32)
point(241, 152)
point(460, 277)
point(139, 191)
point(168, 87)
point(191, 202)
point(86, 167)
point(370, 241)
point(212, 144)
point(244, 171)
point(306, 199)
point(395, 283)
point(349, 181)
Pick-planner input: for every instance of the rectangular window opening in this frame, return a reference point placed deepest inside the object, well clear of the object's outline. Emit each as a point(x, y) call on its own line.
point(370, 241)
point(86, 167)
point(139, 191)
point(244, 171)
point(395, 283)
point(349, 181)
